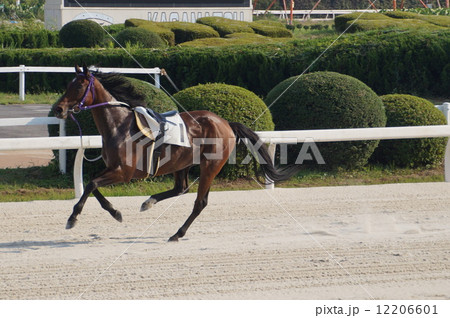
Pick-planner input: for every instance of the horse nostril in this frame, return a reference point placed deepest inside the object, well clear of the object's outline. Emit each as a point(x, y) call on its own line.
point(58, 110)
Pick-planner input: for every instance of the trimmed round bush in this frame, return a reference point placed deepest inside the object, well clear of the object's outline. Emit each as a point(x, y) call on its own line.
point(154, 98)
point(139, 37)
point(408, 110)
point(164, 33)
point(327, 100)
point(81, 33)
point(226, 26)
point(341, 22)
point(186, 31)
point(270, 30)
point(234, 39)
point(235, 104)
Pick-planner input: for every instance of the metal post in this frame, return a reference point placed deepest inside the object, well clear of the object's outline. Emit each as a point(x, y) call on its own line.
point(22, 83)
point(62, 152)
point(270, 185)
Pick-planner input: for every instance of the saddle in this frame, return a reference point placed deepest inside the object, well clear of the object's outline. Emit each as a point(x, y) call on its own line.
point(160, 128)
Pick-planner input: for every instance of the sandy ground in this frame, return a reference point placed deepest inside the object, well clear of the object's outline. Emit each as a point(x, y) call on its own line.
point(354, 242)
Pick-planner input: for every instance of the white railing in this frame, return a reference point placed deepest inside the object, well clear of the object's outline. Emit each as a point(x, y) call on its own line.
point(32, 121)
point(22, 70)
point(72, 142)
point(270, 137)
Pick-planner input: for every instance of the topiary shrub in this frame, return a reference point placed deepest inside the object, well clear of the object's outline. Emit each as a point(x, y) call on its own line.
point(399, 24)
point(139, 37)
point(407, 110)
point(185, 31)
point(154, 98)
point(226, 26)
point(234, 104)
point(355, 22)
point(270, 30)
point(81, 33)
point(164, 33)
point(114, 29)
point(443, 21)
point(341, 22)
point(327, 100)
point(234, 39)
point(272, 23)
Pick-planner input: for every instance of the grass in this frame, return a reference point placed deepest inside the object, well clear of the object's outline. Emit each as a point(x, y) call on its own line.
point(43, 98)
point(46, 183)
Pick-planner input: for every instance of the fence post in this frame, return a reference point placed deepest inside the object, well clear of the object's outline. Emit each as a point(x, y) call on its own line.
point(270, 185)
point(445, 109)
point(22, 83)
point(78, 173)
point(157, 81)
point(62, 152)
point(447, 162)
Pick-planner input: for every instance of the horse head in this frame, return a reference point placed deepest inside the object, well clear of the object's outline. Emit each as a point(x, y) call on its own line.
point(79, 93)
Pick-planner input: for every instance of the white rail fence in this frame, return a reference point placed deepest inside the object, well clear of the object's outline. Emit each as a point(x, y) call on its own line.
point(270, 137)
point(32, 121)
point(22, 70)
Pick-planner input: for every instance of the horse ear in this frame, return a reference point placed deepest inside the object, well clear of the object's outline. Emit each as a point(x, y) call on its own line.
point(85, 70)
point(77, 69)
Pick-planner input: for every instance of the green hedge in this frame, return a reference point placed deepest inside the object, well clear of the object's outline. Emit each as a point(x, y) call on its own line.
point(185, 31)
point(234, 104)
point(443, 21)
point(20, 38)
point(234, 39)
point(403, 62)
point(139, 37)
point(164, 33)
point(226, 26)
point(341, 22)
point(81, 33)
point(407, 110)
point(328, 100)
point(270, 30)
point(355, 22)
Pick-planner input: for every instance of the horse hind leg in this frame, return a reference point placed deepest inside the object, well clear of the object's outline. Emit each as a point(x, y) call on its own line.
point(181, 186)
point(208, 171)
point(199, 205)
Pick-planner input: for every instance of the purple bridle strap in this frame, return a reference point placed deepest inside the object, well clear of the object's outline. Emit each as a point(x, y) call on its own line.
point(90, 88)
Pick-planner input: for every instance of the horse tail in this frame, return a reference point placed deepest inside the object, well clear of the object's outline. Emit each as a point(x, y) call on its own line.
point(243, 133)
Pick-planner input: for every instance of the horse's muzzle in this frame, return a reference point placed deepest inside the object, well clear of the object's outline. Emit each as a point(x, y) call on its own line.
point(59, 113)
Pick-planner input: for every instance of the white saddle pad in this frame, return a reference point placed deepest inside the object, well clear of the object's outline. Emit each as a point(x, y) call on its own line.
point(175, 132)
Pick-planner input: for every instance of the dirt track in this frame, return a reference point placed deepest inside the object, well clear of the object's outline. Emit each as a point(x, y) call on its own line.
point(382, 242)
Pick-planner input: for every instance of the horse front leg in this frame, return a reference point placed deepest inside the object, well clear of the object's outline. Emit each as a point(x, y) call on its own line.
point(108, 177)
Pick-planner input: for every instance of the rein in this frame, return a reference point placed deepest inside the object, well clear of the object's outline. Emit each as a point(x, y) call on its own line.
point(81, 107)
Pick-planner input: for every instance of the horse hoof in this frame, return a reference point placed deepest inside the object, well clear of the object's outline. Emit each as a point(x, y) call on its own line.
point(173, 239)
point(147, 204)
point(70, 224)
point(118, 216)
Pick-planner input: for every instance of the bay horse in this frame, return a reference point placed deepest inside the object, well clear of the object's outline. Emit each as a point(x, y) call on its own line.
point(116, 123)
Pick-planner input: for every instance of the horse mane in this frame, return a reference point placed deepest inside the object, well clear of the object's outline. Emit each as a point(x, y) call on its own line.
point(121, 88)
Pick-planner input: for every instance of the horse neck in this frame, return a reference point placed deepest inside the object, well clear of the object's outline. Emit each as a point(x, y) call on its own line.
point(107, 118)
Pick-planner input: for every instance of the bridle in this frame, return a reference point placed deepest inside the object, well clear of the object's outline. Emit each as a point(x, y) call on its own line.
point(81, 107)
point(91, 88)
